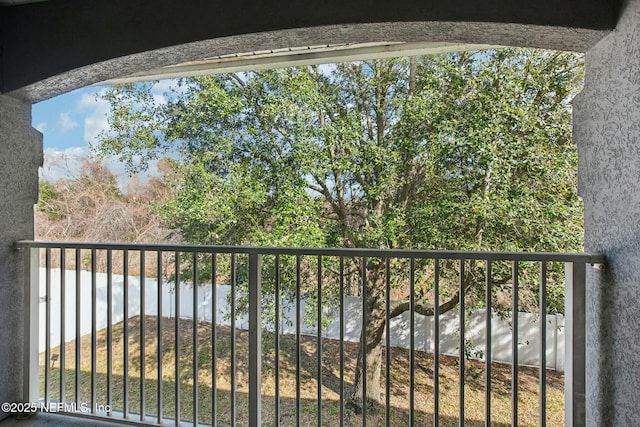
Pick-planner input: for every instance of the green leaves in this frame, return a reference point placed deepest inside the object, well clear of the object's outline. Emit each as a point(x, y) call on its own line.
point(468, 150)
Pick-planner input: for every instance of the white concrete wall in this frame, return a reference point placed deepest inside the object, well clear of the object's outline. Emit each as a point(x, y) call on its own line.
point(528, 330)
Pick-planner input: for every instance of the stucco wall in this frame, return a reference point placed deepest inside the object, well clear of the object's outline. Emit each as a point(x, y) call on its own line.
point(607, 131)
point(20, 156)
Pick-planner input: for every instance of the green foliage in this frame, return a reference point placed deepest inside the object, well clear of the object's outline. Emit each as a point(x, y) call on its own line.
point(469, 151)
point(48, 196)
point(459, 151)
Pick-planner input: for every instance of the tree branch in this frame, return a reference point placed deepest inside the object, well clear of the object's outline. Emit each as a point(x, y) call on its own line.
point(239, 82)
point(399, 307)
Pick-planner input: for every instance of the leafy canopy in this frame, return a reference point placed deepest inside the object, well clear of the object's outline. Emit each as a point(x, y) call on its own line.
point(456, 151)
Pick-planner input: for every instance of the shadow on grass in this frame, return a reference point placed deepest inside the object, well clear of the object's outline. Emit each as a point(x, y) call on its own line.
point(231, 406)
point(288, 416)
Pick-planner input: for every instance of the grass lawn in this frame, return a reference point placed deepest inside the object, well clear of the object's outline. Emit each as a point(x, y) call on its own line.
point(399, 394)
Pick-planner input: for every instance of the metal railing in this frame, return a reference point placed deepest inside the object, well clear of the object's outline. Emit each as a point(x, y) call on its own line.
point(169, 364)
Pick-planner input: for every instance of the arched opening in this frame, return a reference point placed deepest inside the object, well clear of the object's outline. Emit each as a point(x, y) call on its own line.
point(306, 270)
point(612, 395)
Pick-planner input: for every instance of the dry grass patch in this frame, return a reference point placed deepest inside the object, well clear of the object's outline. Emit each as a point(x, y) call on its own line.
point(331, 404)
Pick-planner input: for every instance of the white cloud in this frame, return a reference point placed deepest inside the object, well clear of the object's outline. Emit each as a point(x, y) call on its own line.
point(41, 127)
point(163, 86)
point(66, 164)
point(327, 69)
point(97, 112)
point(63, 164)
point(66, 122)
point(164, 90)
point(168, 86)
point(159, 99)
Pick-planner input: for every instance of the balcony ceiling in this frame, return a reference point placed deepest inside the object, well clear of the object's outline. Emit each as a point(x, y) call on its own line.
point(49, 47)
point(294, 56)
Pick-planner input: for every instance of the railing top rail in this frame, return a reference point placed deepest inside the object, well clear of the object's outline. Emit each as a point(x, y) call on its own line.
point(588, 258)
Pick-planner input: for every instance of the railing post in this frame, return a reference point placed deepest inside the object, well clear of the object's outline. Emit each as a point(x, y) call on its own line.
point(574, 365)
point(255, 339)
point(31, 272)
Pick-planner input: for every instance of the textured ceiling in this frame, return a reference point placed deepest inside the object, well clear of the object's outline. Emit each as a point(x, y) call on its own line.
point(292, 56)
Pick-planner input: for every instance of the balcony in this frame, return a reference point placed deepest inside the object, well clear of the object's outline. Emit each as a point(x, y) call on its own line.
point(279, 339)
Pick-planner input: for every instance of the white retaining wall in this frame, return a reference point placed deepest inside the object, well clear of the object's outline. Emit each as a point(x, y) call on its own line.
point(528, 330)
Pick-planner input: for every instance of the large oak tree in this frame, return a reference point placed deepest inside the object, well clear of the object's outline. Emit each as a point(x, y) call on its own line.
point(468, 150)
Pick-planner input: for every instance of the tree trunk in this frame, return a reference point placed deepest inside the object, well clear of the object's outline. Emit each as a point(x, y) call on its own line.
point(373, 370)
point(371, 336)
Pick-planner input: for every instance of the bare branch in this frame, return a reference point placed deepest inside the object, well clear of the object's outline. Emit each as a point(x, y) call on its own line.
point(399, 307)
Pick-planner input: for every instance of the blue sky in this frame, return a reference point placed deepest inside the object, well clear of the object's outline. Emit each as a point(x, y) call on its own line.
point(66, 120)
point(71, 122)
